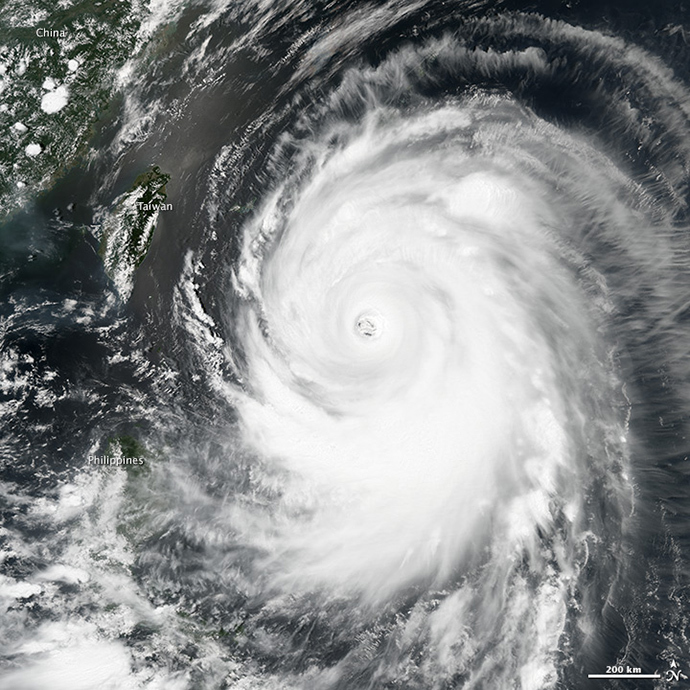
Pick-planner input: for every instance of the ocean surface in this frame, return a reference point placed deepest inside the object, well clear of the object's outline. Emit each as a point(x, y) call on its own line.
point(344, 345)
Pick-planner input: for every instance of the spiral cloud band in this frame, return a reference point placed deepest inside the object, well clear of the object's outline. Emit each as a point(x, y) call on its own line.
point(411, 335)
point(427, 331)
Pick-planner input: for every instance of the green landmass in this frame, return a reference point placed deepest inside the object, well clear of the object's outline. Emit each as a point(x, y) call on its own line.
point(100, 37)
point(128, 229)
point(130, 447)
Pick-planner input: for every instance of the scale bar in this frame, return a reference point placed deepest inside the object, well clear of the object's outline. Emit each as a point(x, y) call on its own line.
point(624, 675)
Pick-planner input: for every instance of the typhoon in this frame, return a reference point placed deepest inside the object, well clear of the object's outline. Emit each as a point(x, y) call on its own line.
point(426, 350)
point(409, 379)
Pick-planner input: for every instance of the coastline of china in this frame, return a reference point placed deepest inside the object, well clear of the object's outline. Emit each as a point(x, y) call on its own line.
point(113, 461)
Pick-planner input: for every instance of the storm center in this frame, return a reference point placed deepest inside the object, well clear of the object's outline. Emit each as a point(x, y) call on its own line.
point(368, 327)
